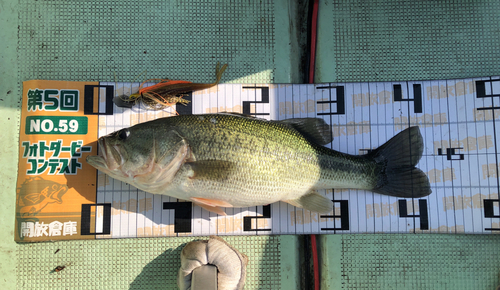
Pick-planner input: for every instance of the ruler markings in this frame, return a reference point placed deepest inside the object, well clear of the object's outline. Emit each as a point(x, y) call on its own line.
point(459, 132)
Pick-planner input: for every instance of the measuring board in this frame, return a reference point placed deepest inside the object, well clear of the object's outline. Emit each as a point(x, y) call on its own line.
point(457, 119)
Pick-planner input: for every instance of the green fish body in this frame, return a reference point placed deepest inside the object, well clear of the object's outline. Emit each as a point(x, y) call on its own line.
point(231, 160)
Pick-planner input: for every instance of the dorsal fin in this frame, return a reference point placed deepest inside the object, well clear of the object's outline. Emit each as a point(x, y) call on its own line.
point(236, 114)
point(314, 129)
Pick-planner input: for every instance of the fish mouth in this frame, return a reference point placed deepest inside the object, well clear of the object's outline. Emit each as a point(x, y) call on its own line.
point(109, 157)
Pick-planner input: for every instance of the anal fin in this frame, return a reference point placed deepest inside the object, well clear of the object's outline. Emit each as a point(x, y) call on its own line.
point(212, 205)
point(313, 201)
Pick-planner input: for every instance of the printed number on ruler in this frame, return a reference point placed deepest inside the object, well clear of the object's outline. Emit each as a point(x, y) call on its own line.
point(343, 215)
point(422, 207)
point(182, 215)
point(450, 152)
point(95, 95)
point(339, 101)
point(417, 96)
point(96, 219)
point(247, 220)
point(264, 100)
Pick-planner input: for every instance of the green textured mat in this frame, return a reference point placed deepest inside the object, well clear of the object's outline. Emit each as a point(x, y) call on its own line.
point(360, 41)
point(410, 261)
point(94, 41)
point(134, 264)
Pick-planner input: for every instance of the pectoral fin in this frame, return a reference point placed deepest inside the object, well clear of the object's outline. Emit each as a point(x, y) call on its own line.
point(313, 201)
point(212, 205)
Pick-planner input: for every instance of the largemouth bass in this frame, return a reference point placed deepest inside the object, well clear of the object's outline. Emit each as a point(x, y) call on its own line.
point(230, 160)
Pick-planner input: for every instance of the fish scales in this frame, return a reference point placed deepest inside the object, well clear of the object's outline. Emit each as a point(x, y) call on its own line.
point(272, 162)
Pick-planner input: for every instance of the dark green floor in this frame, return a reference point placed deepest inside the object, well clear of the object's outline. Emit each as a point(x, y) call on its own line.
point(362, 41)
point(410, 261)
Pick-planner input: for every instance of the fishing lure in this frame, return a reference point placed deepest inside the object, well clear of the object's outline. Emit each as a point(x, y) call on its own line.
point(168, 92)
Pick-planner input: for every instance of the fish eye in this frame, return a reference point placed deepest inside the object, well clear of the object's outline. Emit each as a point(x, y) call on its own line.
point(123, 134)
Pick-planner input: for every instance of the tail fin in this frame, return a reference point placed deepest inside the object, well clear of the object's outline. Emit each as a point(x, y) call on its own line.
point(397, 158)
